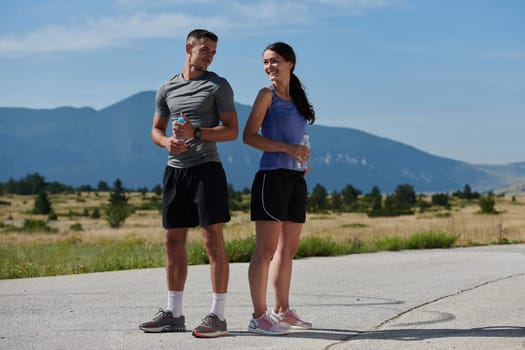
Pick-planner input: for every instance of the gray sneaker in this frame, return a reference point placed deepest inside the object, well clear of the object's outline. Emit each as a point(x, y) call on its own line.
point(210, 327)
point(163, 321)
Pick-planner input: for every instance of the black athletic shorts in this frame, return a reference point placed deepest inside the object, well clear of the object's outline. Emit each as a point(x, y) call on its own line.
point(278, 195)
point(196, 196)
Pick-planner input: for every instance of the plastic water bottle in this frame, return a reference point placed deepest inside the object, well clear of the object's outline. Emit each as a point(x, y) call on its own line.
point(303, 164)
point(180, 120)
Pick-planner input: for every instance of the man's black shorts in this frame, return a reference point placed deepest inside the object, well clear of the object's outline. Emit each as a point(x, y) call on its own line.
point(278, 195)
point(196, 196)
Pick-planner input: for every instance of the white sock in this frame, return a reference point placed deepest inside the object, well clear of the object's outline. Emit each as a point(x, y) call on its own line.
point(218, 304)
point(175, 303)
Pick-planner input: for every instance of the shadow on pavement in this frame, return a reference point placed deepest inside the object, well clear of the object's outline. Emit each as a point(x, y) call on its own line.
point(402, 334)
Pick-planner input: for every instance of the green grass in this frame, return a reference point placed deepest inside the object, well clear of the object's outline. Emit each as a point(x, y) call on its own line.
point(73, 257)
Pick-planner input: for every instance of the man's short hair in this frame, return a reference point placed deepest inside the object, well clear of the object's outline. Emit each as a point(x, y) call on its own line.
point(202, 33)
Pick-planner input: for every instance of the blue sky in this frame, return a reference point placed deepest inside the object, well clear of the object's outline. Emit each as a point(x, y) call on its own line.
point(444, 76)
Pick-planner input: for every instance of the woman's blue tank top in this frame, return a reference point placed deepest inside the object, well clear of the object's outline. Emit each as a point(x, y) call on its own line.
point(282, 122)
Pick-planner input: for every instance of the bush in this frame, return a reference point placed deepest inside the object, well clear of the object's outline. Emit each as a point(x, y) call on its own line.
point(95, 214)
point(118, 209)
point(486, 203)
point(390, 243)
point(76, 227)
point(440, 199)
point(240, 250)
point(430, 240)
point(42, 204)
point(316, 246)
point(31, 225)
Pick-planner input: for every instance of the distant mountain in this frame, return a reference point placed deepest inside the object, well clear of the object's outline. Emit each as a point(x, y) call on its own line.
point(79, 146)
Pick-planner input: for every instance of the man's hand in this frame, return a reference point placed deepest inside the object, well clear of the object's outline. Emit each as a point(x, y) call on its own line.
point(176, 146)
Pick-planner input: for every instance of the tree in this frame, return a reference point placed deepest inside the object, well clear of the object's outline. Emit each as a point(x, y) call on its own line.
point(349, 196)
point(118, 209)
point(486, 203)
point(337, 202)
point(440, 199)
point(42, 204)
point(235, 199)
point(318, 201)
point(404, 196)
point(102, 186)
point(157, 190)
point(374, 202)
point(466, 193)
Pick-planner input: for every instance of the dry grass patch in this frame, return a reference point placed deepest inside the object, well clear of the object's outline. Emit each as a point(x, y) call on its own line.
point(462, 220)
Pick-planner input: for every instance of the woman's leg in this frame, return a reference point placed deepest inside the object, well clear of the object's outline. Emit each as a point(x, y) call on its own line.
point(281, 265)
point(266, 239)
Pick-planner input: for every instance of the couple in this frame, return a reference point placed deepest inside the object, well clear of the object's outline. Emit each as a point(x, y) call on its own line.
point(200, 105)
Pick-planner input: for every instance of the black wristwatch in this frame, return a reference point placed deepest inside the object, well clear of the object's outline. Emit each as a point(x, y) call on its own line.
point(197, 133)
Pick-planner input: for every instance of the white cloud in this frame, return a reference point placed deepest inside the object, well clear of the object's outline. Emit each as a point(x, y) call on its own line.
point(272, 12)
point(102, 32)
point(139, 21)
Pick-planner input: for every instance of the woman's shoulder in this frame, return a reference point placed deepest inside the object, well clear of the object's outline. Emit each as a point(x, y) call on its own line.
point(265, 93)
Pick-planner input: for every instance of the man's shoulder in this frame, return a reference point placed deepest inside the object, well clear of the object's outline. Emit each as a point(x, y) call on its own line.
point(171, 81)
point(215, 77)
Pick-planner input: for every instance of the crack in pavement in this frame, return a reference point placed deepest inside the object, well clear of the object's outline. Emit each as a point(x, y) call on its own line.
point(382, 324)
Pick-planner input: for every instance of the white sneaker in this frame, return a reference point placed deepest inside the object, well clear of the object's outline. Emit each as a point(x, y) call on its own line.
point(267, 325)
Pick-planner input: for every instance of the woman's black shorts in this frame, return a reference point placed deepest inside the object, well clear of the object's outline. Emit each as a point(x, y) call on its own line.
point(279, 195)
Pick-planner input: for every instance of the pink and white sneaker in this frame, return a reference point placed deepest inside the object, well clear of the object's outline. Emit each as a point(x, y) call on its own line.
point(292, 319)
point(267, 325)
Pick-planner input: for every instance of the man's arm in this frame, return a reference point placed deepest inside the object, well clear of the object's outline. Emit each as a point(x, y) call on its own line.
point(226, 131)
point(158, 135)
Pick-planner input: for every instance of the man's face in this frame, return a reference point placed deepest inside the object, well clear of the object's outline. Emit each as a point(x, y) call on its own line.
point(202, 53)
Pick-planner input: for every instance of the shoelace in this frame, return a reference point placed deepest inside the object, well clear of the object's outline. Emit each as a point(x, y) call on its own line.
point(159, 315)
point(209, 321)
point(271, 320)
point(293, 314)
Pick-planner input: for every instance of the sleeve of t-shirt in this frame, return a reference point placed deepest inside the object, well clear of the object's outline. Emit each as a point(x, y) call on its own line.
point(161, 107)
point(224, 97)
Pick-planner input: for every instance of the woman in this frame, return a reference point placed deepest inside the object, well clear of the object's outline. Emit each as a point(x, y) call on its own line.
point(278, 204)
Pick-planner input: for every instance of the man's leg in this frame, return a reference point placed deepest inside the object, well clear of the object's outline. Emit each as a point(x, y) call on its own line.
point(214, 324)
point(176, 261)
point(214, 243)
point(172, 319)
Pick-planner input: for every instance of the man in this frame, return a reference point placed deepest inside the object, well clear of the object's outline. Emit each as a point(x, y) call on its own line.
point(195, 189)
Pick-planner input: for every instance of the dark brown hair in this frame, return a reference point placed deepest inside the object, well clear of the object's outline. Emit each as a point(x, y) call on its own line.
point(202, 33)
point(297, 91)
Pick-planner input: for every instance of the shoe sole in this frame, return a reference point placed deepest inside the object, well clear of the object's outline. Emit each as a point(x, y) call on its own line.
point(299, 327)
point(263, 332)
point(163, 329)
point(209, 335)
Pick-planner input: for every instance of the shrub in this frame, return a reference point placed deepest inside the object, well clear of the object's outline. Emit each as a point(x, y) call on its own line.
point(316, 246)
point(430, 240)
point(42, 204)
point(118, 209)
point(95, 214)
point(240, 250)
point(76, 227)
point(486, 203)
point(393, 243)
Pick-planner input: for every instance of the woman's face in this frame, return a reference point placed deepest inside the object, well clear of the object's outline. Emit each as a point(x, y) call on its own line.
point(275, 66)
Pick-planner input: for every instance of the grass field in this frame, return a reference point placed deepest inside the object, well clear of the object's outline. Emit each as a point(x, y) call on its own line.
point(77, 243)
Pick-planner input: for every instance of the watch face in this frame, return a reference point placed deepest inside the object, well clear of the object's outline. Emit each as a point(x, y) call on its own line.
point(197, 133)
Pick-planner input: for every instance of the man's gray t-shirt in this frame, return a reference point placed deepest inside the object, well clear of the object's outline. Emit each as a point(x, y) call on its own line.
point(201, 100)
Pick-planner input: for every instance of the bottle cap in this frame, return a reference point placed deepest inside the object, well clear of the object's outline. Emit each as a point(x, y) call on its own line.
point(180, 120)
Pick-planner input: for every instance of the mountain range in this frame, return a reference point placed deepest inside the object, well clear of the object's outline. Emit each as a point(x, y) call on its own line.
point(79, 146)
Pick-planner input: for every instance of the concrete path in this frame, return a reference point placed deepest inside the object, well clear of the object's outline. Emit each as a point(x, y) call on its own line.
point(465, 298)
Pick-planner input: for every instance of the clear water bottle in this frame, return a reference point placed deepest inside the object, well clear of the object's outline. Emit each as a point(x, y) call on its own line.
point(303, 164)
point(180, 120)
